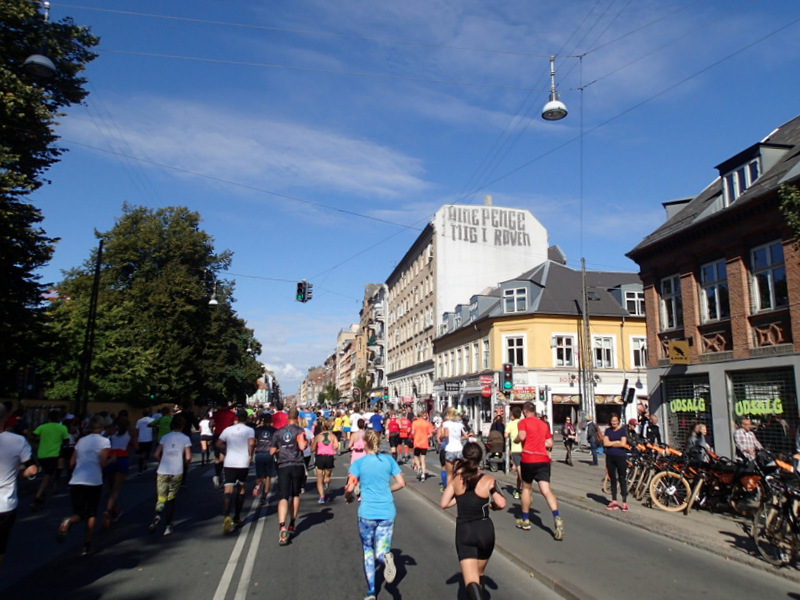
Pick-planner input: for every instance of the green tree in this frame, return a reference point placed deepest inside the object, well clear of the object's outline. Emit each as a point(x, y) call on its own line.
point(155, 329)
point(790, 207)
point(29, 109)
point(363, 384)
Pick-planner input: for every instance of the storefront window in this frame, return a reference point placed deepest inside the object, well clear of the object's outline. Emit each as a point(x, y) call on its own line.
point(769, 399)
point(688, 401)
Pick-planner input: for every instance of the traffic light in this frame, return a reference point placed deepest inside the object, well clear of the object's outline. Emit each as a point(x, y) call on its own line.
point(542, 395)
point(385, 394)
point(309, 291)
point(302, 291)
point(508, 377)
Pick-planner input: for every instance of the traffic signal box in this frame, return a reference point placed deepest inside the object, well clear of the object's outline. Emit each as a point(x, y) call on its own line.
point(508, 378)
point(386, 394)
point(304, 291)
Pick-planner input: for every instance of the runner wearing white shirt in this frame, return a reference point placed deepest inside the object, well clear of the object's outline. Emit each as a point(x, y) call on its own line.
point(452, 429)
point(174, 452)
point(144, 441)
point(239, 443)
point(14, 451)
point(354, 418)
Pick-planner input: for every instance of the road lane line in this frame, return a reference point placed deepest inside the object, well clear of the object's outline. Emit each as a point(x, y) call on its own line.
point(233, 561)
point(247, 570)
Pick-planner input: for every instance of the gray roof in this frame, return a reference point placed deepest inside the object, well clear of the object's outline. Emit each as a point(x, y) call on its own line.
point(706, 206)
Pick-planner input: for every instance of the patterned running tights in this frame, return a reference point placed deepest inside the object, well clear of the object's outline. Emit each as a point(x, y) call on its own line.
point(376, 541)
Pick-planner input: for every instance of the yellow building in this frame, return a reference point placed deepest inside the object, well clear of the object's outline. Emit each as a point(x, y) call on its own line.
point(535, 323)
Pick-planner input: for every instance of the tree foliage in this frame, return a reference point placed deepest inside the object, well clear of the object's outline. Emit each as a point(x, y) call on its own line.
point(790, 206)
point(155, 330)
point(29, 109)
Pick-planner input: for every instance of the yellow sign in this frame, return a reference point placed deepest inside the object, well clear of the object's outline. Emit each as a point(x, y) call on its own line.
point(678, 352)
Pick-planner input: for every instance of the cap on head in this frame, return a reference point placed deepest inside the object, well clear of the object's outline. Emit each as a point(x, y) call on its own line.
point(632, 421)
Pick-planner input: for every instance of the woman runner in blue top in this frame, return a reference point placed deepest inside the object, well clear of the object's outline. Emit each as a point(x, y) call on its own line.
point(374, 472)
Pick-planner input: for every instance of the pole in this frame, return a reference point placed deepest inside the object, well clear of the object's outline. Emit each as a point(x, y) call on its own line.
point(587, 383)
point(81, 400)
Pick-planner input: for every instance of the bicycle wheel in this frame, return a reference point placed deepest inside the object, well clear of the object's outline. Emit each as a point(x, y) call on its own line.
point(670, 491)
point(769, 525)
point(642, 482)
point(631, 476)
point(746, 502)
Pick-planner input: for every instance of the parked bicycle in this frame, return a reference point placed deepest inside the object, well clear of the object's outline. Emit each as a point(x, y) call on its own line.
point(776, 525)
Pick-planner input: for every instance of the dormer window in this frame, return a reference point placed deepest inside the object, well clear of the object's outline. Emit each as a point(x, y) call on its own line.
point(515, 300)
point(737, 181)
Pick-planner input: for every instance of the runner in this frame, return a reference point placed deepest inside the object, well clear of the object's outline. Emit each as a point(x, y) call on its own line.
point(144, 439)
point(393, 428)
point(536, 439)
point(345, 432)
point(222, 419)
point(453, 430)
point(51, 436)
point(421, 431)
point(174, 453)
point(121, 435)
point(92, 455)
point(206, 439)
point(376, 422)
point(14, 451)
point(238, 442)
point(324, 446)
point(474, 493)
point(338, 428)
point(288, 443)
point(376, 513)
point(405, 438)
point(514, 446)
point(265, 462)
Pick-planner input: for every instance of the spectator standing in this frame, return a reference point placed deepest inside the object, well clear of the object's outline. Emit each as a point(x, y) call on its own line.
point(569, 435)
point(615, 441)
point(652, 431)
point(592, 438)
point(746, 442)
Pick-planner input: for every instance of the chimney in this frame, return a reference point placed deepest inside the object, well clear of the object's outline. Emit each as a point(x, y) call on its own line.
point(487, 200)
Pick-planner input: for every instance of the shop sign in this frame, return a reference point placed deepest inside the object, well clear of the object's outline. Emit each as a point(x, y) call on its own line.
point(678, 352)
point(452, 386)
point(679, 405)
point(758, 407)
point(565, 398)
point(524, 392)
point(486, 380)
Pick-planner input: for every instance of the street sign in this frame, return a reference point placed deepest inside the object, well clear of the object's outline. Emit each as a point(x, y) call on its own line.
point(452, 386)
point(678, 352)
point(486, 391)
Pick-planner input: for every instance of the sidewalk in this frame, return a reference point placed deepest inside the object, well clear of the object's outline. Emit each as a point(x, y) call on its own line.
point(580, 486)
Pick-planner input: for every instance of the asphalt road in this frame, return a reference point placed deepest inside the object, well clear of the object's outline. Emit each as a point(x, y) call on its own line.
point(602, 558)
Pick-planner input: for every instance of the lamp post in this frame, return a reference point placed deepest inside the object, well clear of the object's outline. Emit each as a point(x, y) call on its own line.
point(39, 64)
point(81, 398)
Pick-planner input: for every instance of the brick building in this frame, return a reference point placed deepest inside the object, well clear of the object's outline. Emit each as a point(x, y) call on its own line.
point(722, 285)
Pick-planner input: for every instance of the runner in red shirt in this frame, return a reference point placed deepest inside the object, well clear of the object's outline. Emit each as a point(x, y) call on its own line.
point(405, 437)
point(222, 418)
point(536, 439)
point(393, 428)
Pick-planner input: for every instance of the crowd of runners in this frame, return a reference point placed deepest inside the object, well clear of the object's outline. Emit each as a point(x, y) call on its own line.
point(98, 453)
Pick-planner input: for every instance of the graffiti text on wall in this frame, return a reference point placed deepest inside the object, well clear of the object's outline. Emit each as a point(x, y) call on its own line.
point(687, 405)
point(497, 226)
point(758, 407)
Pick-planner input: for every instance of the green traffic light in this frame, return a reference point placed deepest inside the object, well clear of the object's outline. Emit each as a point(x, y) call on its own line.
point(507, 385)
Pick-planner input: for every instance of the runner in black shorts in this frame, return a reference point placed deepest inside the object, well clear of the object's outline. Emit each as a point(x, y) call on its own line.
point(537, 472)
point(287, 446)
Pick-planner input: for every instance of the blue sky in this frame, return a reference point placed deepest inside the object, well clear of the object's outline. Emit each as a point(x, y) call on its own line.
point(317, 138)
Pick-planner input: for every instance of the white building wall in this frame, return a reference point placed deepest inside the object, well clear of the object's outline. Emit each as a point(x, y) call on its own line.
point(480, 246)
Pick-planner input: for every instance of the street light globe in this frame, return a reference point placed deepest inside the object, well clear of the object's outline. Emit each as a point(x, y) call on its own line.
point(40, 66)
point(555, 110)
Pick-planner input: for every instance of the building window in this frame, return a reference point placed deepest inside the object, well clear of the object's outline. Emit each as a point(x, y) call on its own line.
point(714, 298)
point(639, 348)
point(476, 357)
point(634, 303)
point(459, 363)
point(671, 303)
point(457, 321)
point(452, 370)
point(473, 311)
point(515, 300)
point(564, 350)
point(769, 277)
point(736, 182)
point(603, 353)
point(485, 354)
point(515, 350)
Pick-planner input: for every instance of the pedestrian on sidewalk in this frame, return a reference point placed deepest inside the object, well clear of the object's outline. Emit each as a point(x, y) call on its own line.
point(51, 436)
point(474, 493)
point(14, 451)
point(378, 477)
point(91, 456)
point(615, 442)
point(535, 437)
point(287, 446)
point(238, 442)
point(512, 428)
point(174, 453)
point(569, 435)
point(592, 438)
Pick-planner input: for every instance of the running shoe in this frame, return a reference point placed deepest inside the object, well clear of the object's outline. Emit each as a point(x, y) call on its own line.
point(516, 494)
point(441, 487)
point(559, 532)
point(227, 525)
point(63, 529)
point(370, 597)
point(283, 539)
point(624, 507)
point(321, 500)
point(523, 524)
point(263, 501)
point(215, 482)
point(154, 523)
point(237, 523)
point(257, 490)
point(87, 550)
point(612, 505)
point(168, 530)
point(291, 529)
point(389, 570)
